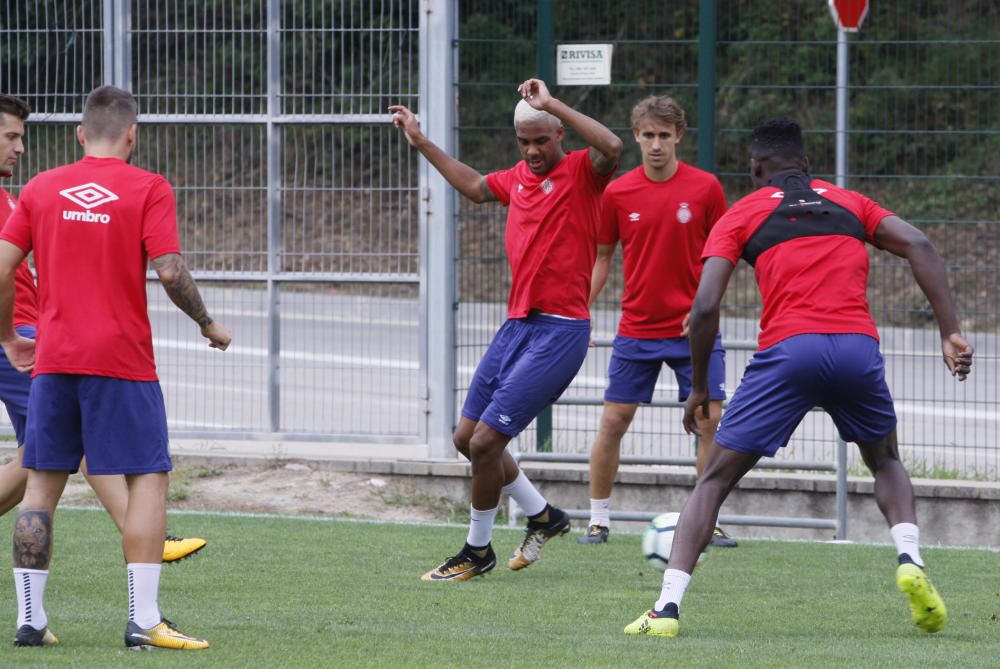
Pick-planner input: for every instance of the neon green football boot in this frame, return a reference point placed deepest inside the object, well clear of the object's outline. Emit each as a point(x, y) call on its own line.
point(926, 605)
point(657, 623)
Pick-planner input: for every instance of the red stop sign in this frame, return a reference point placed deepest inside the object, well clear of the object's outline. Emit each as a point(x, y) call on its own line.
point(849, 14)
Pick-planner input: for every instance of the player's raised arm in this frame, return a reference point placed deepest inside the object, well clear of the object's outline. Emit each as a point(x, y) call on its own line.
point(605, 146)
point(463, 178)
point(180, 286)
point(898, 237)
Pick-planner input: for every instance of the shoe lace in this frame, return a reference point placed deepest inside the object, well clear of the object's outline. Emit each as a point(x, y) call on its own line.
point(171, 537)
point(456, 560)
point(594, 531)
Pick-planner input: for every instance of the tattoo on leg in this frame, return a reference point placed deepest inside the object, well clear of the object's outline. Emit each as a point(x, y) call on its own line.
point(33, 540)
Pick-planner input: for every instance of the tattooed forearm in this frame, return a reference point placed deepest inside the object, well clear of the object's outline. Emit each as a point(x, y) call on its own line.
point(33, 540)
point(181, 287)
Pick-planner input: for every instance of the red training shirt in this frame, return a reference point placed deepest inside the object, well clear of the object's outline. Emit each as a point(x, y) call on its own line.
point(808, 285)
point(92, 226)
point(662, 226)
point(551, 234)
point(25, 295)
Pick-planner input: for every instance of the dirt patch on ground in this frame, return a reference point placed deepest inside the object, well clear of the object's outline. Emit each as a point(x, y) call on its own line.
point(292, 488)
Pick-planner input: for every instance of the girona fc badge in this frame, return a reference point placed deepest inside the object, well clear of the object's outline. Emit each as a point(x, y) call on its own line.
point(684, 213)
point(547, 186)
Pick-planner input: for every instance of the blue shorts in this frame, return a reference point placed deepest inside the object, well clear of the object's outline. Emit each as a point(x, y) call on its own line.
point(121, 426)
point(14, 388)
point(842, 373)
point(529, 364)
point(635, 365)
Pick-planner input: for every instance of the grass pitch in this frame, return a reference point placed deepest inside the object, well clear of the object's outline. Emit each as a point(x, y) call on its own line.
point(286, 592)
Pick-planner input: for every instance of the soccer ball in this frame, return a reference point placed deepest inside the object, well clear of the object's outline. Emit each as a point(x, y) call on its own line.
point(657, 538)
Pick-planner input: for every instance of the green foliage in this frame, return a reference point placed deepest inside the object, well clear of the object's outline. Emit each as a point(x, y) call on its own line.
point(282, 592)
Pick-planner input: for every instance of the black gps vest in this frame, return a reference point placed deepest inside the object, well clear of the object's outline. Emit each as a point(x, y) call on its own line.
point(802, 213)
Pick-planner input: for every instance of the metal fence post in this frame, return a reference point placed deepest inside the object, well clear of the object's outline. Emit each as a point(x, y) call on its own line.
point(438, 28)
point(707, 23)
point(117, 38)
point(841, 143)
point(274, 213)
point(546, 51)
point(841, 534)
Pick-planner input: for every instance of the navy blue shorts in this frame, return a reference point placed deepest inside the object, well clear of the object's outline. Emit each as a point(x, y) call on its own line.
point(635, 365)
point(844, 374)
point(121, 426)
point(529, 364)
point(14, 388)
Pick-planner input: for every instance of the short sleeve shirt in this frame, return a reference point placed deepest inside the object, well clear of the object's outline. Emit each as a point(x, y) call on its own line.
point(25, 294)
point(551, 236)
point(663, 226)
point(93, 225)
point(808, 285)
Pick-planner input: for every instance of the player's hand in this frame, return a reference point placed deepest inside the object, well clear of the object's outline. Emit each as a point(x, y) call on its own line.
point(218, 335)
point(535, 93)
point(20, 352)
point(406, 121)
point(698, 399)
point(686, 325)
point(957, 355)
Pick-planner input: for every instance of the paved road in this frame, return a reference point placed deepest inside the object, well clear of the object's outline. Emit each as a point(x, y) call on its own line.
point(350, 366)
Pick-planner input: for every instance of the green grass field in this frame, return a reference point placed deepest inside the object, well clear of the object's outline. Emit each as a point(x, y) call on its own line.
point(281, 592)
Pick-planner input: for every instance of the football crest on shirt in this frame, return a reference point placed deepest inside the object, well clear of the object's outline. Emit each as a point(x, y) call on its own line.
point(89, 195)
point(684, 213)
point(634, 217)
point(547, 186)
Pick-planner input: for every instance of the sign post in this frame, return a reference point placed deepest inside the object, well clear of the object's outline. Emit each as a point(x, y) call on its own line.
point(848, 15)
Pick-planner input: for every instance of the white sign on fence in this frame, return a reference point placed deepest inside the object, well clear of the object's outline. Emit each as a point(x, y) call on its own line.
point(583, 64)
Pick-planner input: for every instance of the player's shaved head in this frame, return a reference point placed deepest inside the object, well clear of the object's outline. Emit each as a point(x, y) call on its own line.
point(525, 114)
point(777, 137)
point(14, 106)
point(108, 114)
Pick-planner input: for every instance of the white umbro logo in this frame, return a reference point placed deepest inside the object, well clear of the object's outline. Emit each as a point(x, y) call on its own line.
point(89, 195)
point(11, 203)
point(634, 216)
point(505, 419)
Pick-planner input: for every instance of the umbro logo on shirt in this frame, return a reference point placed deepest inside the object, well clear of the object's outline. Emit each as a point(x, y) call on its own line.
point(634, 216)
point(89, 195)
point(11, 203)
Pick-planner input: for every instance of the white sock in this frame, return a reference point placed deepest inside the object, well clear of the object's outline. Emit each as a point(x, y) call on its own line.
point(481, 527)
point(526, 495)
point(143, 591)
point(675, 582)
point(30, 587)
point(906, 536)
point(600, 512)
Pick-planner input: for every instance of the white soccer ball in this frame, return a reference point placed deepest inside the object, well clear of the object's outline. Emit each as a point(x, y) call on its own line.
point(657, 539)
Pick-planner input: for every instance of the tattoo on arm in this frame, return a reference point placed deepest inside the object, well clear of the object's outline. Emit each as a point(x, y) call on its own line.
point(181, 287)
point(33, 539)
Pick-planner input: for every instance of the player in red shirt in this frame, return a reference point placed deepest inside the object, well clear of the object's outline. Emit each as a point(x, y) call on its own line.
point(553, 200)
point(818, 347)
point(661, 212)
point(93, 225)
point(15, 385)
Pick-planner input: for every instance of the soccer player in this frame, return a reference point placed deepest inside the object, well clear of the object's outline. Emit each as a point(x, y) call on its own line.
point(553, 200)
point(661, 212)
point(818, 346)
point(92, 226)
point(14, 385)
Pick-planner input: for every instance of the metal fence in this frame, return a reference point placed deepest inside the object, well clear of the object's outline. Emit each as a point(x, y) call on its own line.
point(296, 200)
point(922, 138)
point(363, 292)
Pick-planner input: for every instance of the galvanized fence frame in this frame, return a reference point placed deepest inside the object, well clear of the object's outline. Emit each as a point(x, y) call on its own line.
point(338, 101)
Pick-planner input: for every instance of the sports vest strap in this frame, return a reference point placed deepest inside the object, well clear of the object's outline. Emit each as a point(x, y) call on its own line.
point(802, 213)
